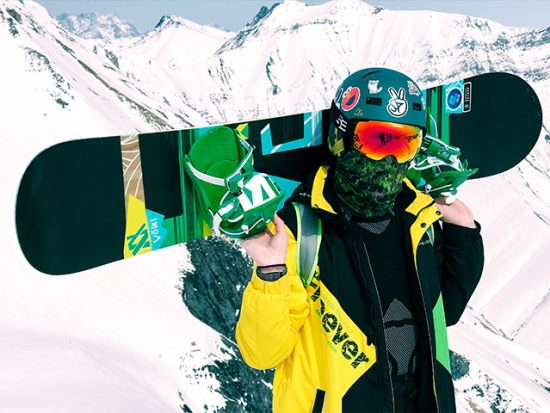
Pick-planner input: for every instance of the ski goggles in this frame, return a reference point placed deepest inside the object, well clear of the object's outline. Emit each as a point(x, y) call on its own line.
point(376, 140)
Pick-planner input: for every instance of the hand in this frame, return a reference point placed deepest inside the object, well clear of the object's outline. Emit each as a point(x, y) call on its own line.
point(456, 213)
point(267, 248)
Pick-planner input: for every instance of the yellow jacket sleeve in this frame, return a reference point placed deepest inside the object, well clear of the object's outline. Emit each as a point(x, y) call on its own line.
point(272, 314)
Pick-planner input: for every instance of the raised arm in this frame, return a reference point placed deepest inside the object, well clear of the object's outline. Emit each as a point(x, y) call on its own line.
point(459, 249)
point(272, 312)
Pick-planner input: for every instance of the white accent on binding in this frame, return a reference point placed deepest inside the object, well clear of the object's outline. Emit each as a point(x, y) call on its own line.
point(206, 178)
point(252, 195)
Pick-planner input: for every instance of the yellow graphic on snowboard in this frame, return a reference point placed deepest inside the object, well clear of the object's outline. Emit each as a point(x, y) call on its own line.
point(137, 239)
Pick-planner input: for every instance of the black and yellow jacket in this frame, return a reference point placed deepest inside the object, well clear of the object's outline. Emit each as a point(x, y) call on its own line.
point(326, 341)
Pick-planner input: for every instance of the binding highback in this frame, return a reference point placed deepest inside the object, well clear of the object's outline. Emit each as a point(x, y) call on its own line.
point(308, 242)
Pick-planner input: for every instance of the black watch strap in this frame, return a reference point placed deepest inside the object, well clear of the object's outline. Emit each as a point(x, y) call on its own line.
point(271, 272)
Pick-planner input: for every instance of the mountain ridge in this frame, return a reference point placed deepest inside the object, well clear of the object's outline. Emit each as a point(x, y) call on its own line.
point(94, 26)
point(61, 89)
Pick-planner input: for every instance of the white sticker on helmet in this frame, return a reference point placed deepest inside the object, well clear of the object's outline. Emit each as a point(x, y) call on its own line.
point(373, 87)
point(413, 90)
point(398, 105)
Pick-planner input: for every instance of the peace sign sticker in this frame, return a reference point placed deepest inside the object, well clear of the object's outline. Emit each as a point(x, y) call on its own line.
point(398, 105)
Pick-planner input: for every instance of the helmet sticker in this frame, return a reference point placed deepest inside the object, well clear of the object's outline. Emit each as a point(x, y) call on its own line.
point(413, 90)
point(350, 98)
point(398, 105)
point(373, 87)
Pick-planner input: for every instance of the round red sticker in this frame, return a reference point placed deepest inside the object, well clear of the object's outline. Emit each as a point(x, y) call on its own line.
point(350, 98)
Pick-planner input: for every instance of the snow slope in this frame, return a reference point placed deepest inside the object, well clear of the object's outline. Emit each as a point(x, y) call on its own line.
point(502, 376)
point(119, 338)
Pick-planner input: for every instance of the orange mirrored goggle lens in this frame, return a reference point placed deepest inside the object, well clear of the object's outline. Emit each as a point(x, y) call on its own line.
point(377, 140)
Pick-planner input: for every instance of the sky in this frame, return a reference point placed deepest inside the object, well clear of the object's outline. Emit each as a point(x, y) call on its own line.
point(234, 14)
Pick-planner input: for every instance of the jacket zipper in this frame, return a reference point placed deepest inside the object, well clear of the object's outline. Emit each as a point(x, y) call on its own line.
point(383, 328)
point(427, 326)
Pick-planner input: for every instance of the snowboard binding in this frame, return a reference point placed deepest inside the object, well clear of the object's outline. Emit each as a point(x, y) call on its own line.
point(437, 169)
point(234, 201)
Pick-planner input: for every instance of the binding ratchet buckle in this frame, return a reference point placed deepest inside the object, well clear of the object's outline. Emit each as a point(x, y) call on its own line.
point(235, 201)
point(438, 170)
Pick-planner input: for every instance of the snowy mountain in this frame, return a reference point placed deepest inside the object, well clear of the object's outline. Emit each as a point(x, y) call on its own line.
point(166, 52)
point(92, 26)
point(125, 324)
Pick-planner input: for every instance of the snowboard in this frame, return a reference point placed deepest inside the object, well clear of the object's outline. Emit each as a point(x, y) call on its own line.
point(85, 203)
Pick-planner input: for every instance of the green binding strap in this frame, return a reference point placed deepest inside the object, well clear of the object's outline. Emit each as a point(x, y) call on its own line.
point(308, 240)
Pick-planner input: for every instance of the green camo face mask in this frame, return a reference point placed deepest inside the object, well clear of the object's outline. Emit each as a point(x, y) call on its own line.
point(366, 186)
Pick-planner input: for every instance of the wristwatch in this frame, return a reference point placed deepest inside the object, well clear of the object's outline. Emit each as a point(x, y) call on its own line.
point(271, 272)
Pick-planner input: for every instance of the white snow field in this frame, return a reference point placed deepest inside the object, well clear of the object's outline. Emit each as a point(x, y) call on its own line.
point(118, 338)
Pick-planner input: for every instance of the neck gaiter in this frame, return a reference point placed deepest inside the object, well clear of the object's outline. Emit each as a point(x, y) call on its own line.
point(366, 186)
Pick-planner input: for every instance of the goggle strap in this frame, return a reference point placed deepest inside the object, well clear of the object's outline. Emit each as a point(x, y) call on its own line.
point(343, 124)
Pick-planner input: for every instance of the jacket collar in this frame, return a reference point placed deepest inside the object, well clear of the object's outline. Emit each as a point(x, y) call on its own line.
point(318, 200)
point(409, 199)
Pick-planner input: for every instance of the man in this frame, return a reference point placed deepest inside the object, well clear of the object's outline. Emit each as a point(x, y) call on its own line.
point(368, 333)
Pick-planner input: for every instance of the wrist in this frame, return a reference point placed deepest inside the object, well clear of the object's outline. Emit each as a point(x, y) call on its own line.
point(268, 260)
point(271, 272)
